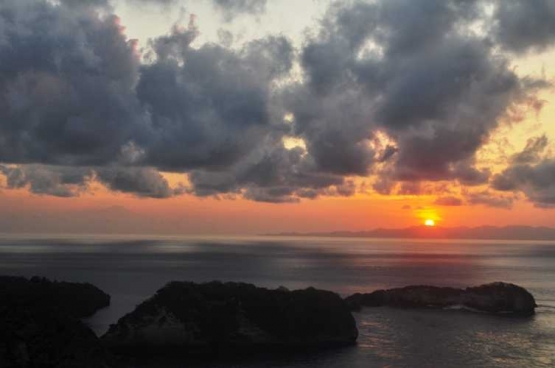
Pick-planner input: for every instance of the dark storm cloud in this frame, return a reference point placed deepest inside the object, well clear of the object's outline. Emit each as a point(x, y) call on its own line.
point(335, 129)
point(66, 85)
point(44, 180)
point(142, 182)
point(522, 25)
point(272, 174)
point(537, 181)
point(388, 152)
point(405, 68)
point(467, 174)
point(399, 89)
point(530, 172)
point(215, 113)
point(209, 107)
point(85, 101)
point(68, 181)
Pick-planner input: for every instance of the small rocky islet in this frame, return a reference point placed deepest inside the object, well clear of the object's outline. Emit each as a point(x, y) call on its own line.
point(496, 298)
point(40, 319)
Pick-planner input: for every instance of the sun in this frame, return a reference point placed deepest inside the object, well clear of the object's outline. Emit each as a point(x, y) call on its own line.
point(430, 223)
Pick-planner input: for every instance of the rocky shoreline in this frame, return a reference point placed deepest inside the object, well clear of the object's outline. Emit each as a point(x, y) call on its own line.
point(40, 319)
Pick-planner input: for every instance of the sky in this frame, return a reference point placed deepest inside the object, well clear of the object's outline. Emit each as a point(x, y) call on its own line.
point(260, 116)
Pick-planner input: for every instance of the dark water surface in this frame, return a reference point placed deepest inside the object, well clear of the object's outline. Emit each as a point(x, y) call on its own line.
point(131, 269)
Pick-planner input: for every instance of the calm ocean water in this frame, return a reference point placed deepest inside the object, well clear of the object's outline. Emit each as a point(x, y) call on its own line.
point(131, 269)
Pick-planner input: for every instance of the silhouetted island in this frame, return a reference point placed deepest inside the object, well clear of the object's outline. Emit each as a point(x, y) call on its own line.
point(190, 317)
point(437, 232)
point(40, 327)
point(77, 300)
point(497, 297)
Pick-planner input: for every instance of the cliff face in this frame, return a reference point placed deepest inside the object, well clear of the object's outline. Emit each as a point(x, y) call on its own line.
point(216, 315)
point(39, 325)
point(496, 297)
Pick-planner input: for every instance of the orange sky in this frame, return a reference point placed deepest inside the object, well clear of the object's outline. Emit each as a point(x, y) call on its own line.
point(191, 215)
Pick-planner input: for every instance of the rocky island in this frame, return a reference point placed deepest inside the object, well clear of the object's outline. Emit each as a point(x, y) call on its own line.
point(40, 326)
point(189, 317)
point(73, 299)
point(497, 297)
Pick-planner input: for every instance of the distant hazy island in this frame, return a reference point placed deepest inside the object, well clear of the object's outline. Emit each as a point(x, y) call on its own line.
point(482, 232)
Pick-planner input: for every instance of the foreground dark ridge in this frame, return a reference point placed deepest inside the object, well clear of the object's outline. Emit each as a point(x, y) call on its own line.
point(482, 232)
point(73, 299)
point(497, 297)
point(40, 326)
point(196, 317)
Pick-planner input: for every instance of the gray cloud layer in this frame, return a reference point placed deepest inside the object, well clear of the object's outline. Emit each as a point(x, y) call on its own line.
point(438, 92)
point(228, 9)
point(77, 102)
point(530, 172)
point(522, 25)
point(43, 180)
point(231, 8)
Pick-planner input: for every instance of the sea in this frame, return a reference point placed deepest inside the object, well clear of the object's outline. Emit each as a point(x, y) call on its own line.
point(132, 268)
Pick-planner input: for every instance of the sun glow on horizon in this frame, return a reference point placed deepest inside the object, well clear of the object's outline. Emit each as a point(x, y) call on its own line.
point(430, 223)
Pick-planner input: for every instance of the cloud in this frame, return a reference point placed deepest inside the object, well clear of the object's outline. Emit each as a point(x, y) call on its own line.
point(69, 181)
point(384, 185)
point(334, 128)
point(536, 181)
point(231, 8)
point(66, 85)
point(524, 25)
point(531, 172)
point(399, 90)
point(489, 199)
point(142, 182)
point(532, 152)
point(87, 101)
point(272, 173)
point(448, 201)
point(42, 180)
point(85, 3)
point(213, 109)
point(155, 2)
point(436, 91)
point(228, 9)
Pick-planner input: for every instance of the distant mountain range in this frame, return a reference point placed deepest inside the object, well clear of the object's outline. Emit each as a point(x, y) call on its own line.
point(482, 232)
